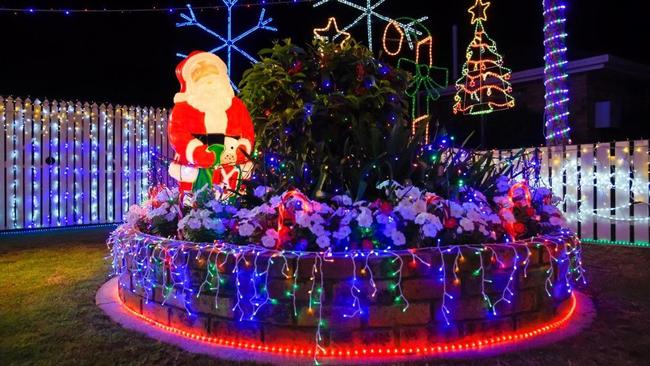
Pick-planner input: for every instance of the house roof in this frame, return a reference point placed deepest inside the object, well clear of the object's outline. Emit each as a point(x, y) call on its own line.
point(600, 62)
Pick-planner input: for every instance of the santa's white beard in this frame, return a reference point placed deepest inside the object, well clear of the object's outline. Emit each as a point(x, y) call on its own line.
point(214, 102)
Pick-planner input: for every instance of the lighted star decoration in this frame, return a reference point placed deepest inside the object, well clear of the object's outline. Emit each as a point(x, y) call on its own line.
point(322, 33)
point(479, 11)
point(368, 12)
point(228, 42)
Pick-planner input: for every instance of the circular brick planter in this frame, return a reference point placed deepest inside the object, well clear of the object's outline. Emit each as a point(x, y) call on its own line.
point(257, 298)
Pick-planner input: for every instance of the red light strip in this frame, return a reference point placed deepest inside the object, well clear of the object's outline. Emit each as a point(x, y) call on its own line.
point(436, 349)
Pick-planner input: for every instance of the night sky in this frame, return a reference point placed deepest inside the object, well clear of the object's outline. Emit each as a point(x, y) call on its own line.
point(130, 58)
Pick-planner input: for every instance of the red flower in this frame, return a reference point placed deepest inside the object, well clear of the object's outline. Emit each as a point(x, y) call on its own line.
point(530, 211)
point(295, 68)
point(451, 223)
point(385, 208)
point(366, 244)
point(519, 228)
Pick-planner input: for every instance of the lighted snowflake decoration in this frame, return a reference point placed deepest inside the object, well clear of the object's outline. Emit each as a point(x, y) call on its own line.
point(228, 42)
point(368, 12)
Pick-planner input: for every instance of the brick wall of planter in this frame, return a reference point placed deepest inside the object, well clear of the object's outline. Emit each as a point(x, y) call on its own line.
point(383, 321)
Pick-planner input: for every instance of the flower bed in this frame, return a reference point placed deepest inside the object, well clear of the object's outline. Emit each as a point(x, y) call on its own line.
point(359, 299)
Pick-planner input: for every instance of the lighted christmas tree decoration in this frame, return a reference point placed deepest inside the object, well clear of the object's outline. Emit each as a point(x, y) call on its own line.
point(229, 41)
point(368, 12)
point(484, 86)
point(555, 76)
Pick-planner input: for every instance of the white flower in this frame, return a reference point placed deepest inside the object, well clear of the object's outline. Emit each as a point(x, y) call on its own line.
point(507, 215)
point(265, 208)
point(398, 238)
point(406, 210)
point(275, 201)
point(260, 191)
point(483, 230)
point(268, 241)
point(323, 209)
point(216, 206)
point(205, 214)
point(316, 219)
point(494, 218)
point(455, 209)
point(365, 217)
point(383, 219)
point(214, 224)
point(164, 195)
point(556, 221)
point(194, 223)
point(243, 213)
point(475, 215)
point(467, 224)
point(429, 230)
point(435, 221)
point(343, 200)
point(422, 218)
point(408, 191)
point(503, 184)
point(135, 213)
point(317, 229)
point(323, 241)
point(349, 215)
point(270, 237)
point(342, 233)
point(420, 206)
point(503, 201)
point(246, 229)
point(170, 216)
point(303, 219)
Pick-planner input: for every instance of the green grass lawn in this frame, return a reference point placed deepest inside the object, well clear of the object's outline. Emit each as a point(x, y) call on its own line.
point(48, 314)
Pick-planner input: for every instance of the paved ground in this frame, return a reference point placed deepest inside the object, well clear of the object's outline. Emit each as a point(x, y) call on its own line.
point(48, 316)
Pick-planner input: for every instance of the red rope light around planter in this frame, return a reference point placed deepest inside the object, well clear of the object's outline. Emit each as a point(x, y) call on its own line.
point(474, 344)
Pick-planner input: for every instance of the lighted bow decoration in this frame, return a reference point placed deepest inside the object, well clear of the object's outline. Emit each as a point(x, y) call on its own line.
point(428, 80)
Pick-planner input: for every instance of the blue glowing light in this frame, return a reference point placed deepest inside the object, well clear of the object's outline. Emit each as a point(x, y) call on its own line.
point(228, 42)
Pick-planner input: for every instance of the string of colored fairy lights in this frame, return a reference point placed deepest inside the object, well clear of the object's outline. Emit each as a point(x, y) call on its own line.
point(55, 229)
point(620, 243)
point(556, 111)
point(484, 86)
point(153, 9)
point(148, 258)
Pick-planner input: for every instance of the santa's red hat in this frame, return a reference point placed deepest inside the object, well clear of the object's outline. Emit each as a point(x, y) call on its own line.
point(186, 67)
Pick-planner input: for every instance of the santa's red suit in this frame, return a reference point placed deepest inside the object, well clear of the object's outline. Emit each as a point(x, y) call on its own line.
point(192, 131)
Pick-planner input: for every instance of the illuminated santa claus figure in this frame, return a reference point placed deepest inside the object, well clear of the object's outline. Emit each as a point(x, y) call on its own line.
point(209, 127)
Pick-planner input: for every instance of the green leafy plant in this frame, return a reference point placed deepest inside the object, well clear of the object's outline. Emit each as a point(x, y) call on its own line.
point(329, 119)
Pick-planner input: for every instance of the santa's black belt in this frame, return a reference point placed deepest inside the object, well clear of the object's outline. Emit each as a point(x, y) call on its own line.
point(213, 138)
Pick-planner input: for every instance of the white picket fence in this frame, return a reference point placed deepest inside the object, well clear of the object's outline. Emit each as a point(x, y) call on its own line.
point(65, 164)
point(603, 187)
